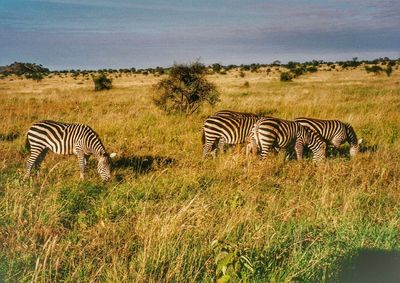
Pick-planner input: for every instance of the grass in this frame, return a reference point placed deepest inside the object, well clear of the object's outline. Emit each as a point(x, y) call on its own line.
point(156, 221)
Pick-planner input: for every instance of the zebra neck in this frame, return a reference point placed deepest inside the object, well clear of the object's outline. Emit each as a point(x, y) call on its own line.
point(351, 135)
point(98, 153)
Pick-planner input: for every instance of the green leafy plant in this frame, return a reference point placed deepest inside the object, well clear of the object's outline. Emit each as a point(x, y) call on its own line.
point(231, 262)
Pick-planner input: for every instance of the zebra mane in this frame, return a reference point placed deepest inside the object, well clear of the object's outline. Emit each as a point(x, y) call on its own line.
point(98, 146)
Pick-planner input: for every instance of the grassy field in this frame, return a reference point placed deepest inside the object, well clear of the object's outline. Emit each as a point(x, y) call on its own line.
point(169, 216)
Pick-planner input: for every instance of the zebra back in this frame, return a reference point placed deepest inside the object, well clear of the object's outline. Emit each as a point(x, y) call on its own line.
point(230, 113)
point(233, 129)
point(62, 138)
point(328, 129)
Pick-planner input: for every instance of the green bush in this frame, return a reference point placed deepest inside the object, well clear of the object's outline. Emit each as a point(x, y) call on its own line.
point(312, 69)
point(374, 69)
point(388, 70)
point(101, 82)
point(286, 77)
point(36, 76)
point(185, 89)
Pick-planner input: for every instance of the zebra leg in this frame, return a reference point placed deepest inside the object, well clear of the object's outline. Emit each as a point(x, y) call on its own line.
point(221, 144)
point(299, 148)
point(82, 164)
point(252, 147)
point(207, 147)
point(86, 157)
point(36, 157)
point(265, 150)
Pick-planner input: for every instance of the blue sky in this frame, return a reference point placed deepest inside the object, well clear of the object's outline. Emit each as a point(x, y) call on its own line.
point(92, 34)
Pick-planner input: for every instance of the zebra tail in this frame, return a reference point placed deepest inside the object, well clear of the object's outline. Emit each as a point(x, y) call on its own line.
point(27, 144)
point(203, 136)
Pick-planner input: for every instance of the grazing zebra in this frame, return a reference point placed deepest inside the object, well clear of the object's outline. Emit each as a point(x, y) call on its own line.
point(63, 138)
point(334, 132)
point(226, 127)
point(271, 133)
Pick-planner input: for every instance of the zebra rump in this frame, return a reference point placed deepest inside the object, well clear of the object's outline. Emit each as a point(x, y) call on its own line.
point(226, 127)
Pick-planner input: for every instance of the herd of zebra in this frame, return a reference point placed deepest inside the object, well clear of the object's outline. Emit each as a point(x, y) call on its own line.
point(262, 135)
point(268, 134)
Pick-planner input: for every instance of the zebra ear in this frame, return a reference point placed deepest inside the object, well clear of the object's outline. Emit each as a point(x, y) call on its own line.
point(360, 141)
point(112, 155)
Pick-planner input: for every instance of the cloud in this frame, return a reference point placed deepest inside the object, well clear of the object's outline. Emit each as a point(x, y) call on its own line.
point(102, 34)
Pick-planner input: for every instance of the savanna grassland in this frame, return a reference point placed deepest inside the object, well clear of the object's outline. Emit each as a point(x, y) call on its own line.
point(160, 218)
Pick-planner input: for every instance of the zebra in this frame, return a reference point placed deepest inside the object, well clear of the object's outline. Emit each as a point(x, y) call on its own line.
point(334, 132)
point(272, 133)
point(67, 139)
point(226, 127)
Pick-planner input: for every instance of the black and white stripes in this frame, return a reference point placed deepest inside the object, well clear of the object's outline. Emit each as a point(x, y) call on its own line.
point(333, 131)
point(271, 133)
point(63, 138)
point(266, 134)
point(226, 127)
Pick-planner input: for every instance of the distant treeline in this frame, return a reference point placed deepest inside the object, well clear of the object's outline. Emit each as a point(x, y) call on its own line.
point(34, 71)
point(247, 67)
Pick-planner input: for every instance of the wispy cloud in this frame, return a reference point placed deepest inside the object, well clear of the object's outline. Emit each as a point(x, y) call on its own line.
point(155, 32)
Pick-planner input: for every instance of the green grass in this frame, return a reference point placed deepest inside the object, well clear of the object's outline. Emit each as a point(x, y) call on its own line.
point(158, 218)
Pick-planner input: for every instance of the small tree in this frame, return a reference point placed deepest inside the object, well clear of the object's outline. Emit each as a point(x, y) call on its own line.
point(185, 89)
point(101, 82)
point(286, 77)
point(388, 70)
point(216, 67)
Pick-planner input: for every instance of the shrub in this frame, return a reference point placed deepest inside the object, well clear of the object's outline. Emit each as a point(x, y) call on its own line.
point(286, 77)
point(389, 70)
point(373, 69)
point(101, 82)
point(185, 89)
point(242, 74)
point(312, 69)
point(246, 84)
point(216, 67)
point(36, 76)
point(298, 71)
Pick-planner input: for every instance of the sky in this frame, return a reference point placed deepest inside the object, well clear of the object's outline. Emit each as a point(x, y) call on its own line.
point(96, 34)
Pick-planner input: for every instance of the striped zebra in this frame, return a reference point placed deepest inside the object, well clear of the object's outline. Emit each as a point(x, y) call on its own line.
point(272, 133)
point(226, 127)
point(63, 138)
point(334, 132)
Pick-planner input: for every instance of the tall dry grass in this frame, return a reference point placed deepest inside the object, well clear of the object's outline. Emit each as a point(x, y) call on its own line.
point(156, 221)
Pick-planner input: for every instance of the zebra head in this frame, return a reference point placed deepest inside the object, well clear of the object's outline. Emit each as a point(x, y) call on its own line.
point(317, 145)
point(355, 148)
point(104, 166)
point(352, 139)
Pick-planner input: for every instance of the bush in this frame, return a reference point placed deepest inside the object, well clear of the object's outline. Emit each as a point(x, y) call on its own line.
point(374, 69)
point(312, 69)
point(216, 67)
point(286, 77)
point(185, 89)
point(34, 76)
point(389, 70)
point(101, 82)
point(246, 84)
